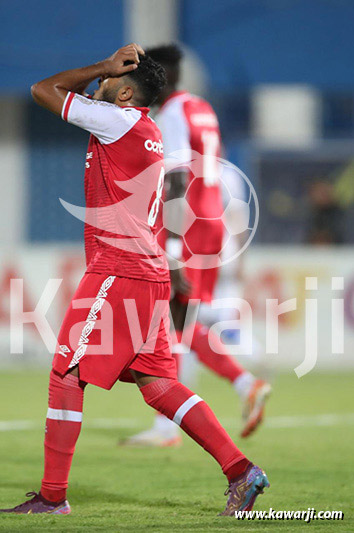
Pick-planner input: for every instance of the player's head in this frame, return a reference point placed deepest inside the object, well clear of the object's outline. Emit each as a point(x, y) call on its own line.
point(169, 56)
point(140, 87)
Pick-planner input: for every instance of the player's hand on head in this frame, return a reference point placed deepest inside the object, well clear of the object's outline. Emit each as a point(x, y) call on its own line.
point(124, 60)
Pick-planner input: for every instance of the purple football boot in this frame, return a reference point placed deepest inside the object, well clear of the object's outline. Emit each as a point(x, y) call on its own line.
point(39, 505)
point(244, 490)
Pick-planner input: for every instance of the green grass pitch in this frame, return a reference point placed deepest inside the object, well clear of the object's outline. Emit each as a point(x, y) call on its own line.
point(308, 458)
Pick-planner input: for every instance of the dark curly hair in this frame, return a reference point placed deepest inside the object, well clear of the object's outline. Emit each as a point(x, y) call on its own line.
point(149, 78)
point(168, 55)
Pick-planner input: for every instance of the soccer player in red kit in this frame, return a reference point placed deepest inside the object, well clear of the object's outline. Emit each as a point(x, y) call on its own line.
point(189, 125)
point(110, 330)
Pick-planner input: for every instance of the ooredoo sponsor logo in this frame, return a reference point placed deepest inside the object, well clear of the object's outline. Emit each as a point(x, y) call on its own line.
point(154, 146)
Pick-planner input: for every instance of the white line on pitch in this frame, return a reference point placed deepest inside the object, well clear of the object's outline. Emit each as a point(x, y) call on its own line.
point(17, 425)
point(275, 422)
point(308, 420)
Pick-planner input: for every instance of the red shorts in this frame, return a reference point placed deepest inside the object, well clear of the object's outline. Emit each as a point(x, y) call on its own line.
point(203, 283)
point(115, 324)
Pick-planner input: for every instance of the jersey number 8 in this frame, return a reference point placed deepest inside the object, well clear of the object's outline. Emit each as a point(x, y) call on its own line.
point(156, 203)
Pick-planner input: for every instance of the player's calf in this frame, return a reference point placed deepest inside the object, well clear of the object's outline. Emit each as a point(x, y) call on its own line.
point(196, 418)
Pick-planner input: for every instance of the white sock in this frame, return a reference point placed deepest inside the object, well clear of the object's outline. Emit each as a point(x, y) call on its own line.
point(243, 384)
point(164, 425)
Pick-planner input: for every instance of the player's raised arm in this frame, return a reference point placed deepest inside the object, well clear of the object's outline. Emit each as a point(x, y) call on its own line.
point(51, 92)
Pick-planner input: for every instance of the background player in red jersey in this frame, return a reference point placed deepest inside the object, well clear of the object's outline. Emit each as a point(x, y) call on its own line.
point(125, 281)
point(188, 123)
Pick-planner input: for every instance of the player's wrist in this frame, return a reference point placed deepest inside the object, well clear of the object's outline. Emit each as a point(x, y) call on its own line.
point(104, 68)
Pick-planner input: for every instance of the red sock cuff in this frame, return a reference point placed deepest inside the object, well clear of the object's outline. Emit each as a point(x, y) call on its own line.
point(237, 469)
point(157, 388)
point(53, 496)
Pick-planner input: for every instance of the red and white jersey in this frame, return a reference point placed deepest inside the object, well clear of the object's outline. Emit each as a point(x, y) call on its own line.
point(189, 123)
point(123, 186)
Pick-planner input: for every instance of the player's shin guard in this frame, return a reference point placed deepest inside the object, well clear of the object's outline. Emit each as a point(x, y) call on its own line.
point(218, 361)
point(63, 426)
point(197, 419)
